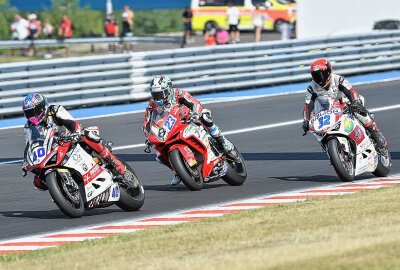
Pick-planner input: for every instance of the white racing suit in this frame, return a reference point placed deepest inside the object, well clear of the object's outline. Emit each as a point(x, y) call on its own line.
point(340, 90)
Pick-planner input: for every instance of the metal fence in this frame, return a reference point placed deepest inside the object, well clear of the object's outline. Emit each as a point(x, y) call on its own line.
point(101, 80)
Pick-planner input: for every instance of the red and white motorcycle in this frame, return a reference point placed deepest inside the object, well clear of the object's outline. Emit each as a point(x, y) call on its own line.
point(189, 149)
point(76, 179)
point(348, 144)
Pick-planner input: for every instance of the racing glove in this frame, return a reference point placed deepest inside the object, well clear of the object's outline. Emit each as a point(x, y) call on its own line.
point(357, 107)
point(306, 126)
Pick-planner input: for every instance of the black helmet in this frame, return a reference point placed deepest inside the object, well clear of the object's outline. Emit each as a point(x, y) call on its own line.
point(321, 72)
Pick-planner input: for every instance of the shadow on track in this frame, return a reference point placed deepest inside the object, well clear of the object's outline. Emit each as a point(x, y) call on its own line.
point(253, 156)
point(53, 214)
point(181, 187)
point(319, 178)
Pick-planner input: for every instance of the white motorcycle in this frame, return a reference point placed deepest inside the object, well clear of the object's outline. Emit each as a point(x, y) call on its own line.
point(76, 179)
point(350, 149)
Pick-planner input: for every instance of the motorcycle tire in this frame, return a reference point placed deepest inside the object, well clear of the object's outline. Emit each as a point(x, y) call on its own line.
point(237, 172)
point(181, 168)
point(383, 170)
point(131, 198)
point(59, 196)
point(337, 164)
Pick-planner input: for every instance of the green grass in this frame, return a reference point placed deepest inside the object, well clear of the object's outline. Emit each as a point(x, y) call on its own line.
point(359, 231)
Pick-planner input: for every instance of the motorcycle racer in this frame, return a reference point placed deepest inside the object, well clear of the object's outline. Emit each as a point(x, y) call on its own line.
point(164, 96)
point(327, 86)
point(38, 112)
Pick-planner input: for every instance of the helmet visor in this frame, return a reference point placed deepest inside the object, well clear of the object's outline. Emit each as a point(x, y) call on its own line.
point(159, 95)
point(320, 77)
point(34, 115)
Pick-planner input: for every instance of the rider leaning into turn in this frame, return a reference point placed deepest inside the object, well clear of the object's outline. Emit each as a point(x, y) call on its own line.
point(38, 112)
point(325, 86)
point(164, 96)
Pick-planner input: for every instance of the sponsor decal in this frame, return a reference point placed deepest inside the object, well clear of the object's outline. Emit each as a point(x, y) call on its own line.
point(84, 167)
point(76, 157)
point(358, 133)
point(92, 174)
point(161, 132)
point(348, 125)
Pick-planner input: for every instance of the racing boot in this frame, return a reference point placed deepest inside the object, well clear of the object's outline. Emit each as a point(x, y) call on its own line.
point(39, 184)
point(113, 161)
point(223, 143)
point(175, 180)
point(105, 153)
point(377, 136)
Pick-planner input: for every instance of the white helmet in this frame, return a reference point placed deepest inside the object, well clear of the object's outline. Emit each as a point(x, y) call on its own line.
point(160, 89)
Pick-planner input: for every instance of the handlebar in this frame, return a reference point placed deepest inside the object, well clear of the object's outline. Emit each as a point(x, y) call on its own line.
point(70, 137)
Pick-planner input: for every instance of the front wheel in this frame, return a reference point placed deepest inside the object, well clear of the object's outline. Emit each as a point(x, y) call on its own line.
point(342, 161)
point(237, 172)
point(66, 195)
point(131, 191)
point(192, 178)
point(384, 164)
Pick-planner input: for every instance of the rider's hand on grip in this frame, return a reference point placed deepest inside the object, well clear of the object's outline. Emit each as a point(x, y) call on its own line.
point(23, 168)
point(306, 127)
point(148, 146)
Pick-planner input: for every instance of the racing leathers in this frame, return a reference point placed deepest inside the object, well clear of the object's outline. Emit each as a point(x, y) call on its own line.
point(196, 110)
point(339, 90)
point(57, 116)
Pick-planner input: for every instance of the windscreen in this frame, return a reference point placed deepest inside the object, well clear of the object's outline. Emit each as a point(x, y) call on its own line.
point(36, 134)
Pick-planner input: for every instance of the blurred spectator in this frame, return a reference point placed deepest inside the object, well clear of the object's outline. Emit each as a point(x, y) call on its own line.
point(288, 30)
point(111, 30)
point(129, 15)
point(187, 22)
point(210, 38)
point(48, 29)
point(233, 16)
point(221, 36)
point(209, 29)
point(19, 28)
point(34, 29)
point(258, 21)
point(127, 26)
point(65, 29)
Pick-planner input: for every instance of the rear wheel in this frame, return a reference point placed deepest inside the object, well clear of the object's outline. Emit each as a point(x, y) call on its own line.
point(131, 191)
point(66, 195)
point(237, 172)
point(384, 164)
point(342, 161)
point(191, 177)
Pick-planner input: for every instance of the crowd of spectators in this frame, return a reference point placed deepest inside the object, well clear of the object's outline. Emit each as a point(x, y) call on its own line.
point(31, 28)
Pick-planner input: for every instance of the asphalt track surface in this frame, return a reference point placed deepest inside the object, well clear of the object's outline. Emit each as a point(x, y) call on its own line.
point(278, 159)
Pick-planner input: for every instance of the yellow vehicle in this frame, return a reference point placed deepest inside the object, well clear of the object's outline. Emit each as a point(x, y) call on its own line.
point(212, 13)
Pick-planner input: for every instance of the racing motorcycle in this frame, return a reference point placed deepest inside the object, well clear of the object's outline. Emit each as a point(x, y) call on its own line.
point(188, 149)
point(76, 177)
point(348, 144)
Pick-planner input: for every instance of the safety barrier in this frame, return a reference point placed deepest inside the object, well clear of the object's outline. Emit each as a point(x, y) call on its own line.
point(12, 44)
point(101, 80)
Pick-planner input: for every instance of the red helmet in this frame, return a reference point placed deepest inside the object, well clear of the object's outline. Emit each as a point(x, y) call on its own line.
point(321, 72)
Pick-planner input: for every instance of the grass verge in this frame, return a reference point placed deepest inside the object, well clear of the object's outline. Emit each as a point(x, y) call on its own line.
point(359, 231)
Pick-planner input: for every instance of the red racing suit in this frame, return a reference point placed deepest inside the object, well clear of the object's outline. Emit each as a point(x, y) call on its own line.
point(179, 97)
